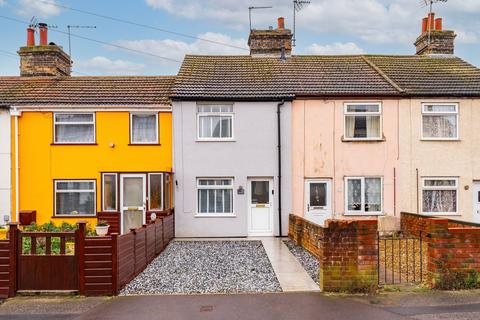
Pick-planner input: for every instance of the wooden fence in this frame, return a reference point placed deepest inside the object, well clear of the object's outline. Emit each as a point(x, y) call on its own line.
point(97, 266)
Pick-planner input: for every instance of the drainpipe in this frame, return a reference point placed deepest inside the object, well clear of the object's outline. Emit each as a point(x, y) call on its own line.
point(15, 113)
point(279, 137)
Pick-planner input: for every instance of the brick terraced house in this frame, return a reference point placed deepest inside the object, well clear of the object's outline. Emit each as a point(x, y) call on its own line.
point(364, 136)
point(84, 148)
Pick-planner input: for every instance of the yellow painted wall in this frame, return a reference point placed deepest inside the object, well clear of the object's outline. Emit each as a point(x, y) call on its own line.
point(40, 162)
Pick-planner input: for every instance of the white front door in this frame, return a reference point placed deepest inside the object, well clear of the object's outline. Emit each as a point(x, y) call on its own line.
point(318, 200)
point(260, 207)
point(132, 201)
point(476, 202)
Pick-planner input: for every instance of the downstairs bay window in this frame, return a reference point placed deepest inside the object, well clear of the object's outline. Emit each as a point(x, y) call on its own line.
point(439, 196)
point(75, 197)
point(215, 197)
point(363, 195)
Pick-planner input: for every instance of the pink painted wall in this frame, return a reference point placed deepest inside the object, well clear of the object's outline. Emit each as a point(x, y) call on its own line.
point(320, 152)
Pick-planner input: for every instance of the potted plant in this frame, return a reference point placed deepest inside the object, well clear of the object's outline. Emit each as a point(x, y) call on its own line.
point(101, 228)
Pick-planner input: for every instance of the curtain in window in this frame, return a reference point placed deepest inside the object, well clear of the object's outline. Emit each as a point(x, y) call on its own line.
point(144, 128)
point(75, 203)
point(350, 127)
point(439, 126)
point(354, 194)
point(362, 127)
point(373, 194)
point(74, 133)
point(373, 127)
point(439, 201)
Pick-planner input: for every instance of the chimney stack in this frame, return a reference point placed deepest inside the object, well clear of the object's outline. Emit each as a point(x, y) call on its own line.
point(43, 60)
point(271, 42)
point(435, 40)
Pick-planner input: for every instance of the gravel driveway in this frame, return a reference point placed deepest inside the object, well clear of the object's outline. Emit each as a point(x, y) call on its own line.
point(187, 267)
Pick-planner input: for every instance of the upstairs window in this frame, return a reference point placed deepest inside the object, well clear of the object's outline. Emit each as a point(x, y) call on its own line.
point(215, 122)
point(76, 128)
point(440, 121)
point(144, 128)
point(363, 121)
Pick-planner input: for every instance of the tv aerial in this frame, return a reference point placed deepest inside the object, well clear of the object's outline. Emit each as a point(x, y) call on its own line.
point(297, 6)
point(69, 27)
point(429, 4)
point(250, 13)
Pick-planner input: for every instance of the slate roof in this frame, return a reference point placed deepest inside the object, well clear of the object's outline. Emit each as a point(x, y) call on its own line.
point(264, 78)
point(103, 91)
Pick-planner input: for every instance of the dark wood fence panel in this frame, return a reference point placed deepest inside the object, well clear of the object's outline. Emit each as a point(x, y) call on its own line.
point(150, 238)
point(126, 259)
point(168, 228)
point(140, 249)
point(45, 263)
point(4, 269)
point(158, 237)
point(113, 219)
point(98, 266)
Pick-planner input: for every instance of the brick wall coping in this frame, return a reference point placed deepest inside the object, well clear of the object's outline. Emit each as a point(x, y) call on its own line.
point(437, 218)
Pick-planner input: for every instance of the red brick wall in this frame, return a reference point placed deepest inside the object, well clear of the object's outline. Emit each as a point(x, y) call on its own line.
point(346, 249)
point(453, 246)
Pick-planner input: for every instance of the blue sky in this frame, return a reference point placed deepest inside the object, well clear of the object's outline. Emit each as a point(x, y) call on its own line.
point(324, 27)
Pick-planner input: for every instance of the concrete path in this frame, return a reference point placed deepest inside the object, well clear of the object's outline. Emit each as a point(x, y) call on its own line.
point(290, 273)
point(276, 306)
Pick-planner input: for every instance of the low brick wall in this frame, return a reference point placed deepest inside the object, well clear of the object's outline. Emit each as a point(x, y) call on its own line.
point(346, 249)
point(453, 248)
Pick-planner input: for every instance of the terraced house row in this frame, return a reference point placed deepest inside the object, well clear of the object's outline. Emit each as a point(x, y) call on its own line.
point(237, 143)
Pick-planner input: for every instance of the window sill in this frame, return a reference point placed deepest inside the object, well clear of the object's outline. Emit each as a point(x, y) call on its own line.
point(215, 140)
point(73, 216)
point(202, 215)
point(74, 144)
point(364, 140)
point(449, 214)
point(144, 144)
point(363, 214)
point(441, 140)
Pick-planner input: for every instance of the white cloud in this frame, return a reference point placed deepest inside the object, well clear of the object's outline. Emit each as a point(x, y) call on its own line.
point(42, 9)
point(176, 50)
point(335, 48)
point(104, 65)
point(373, 21)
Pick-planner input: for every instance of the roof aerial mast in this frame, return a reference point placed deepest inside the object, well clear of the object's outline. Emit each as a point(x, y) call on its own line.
point(297, 6)
point(250, 13)
point(429, 3)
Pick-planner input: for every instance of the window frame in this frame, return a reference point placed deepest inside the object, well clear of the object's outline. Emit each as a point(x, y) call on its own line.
point(440, 188)
point(198, 187)
point(94, 122)
point(216, 114)
point(157, 128)
point(162, 185)
point(377, 113)
point(116, 191)
point(442, 113)
point(55, 191)
point(363, 212)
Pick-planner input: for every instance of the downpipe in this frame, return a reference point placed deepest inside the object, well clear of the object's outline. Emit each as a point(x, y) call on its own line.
point(279, 147)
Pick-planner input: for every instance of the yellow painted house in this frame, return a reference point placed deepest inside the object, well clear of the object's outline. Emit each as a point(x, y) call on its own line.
point(87, 148)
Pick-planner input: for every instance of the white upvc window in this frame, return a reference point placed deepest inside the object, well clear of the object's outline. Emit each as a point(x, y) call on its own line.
point(440, 121)
point(363, 121)
point(215, 196)
point(144, 128)
point(439, 195)
point(75, 197)
point(155, 192)
point(74, 128)
point(214, 122)
point(363, 195)
point(109, 192)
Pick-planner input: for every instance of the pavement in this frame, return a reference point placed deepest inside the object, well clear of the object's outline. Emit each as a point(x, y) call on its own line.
point(463, 305)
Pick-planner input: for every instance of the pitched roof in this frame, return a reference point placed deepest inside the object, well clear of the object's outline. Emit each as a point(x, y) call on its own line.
point(247, 77)
point(103, 91)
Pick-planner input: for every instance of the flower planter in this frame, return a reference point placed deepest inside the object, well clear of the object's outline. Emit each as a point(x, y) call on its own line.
point(101, 230)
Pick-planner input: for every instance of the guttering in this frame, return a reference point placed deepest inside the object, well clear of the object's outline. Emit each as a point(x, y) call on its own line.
point(15, 113)
point(279, 146)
